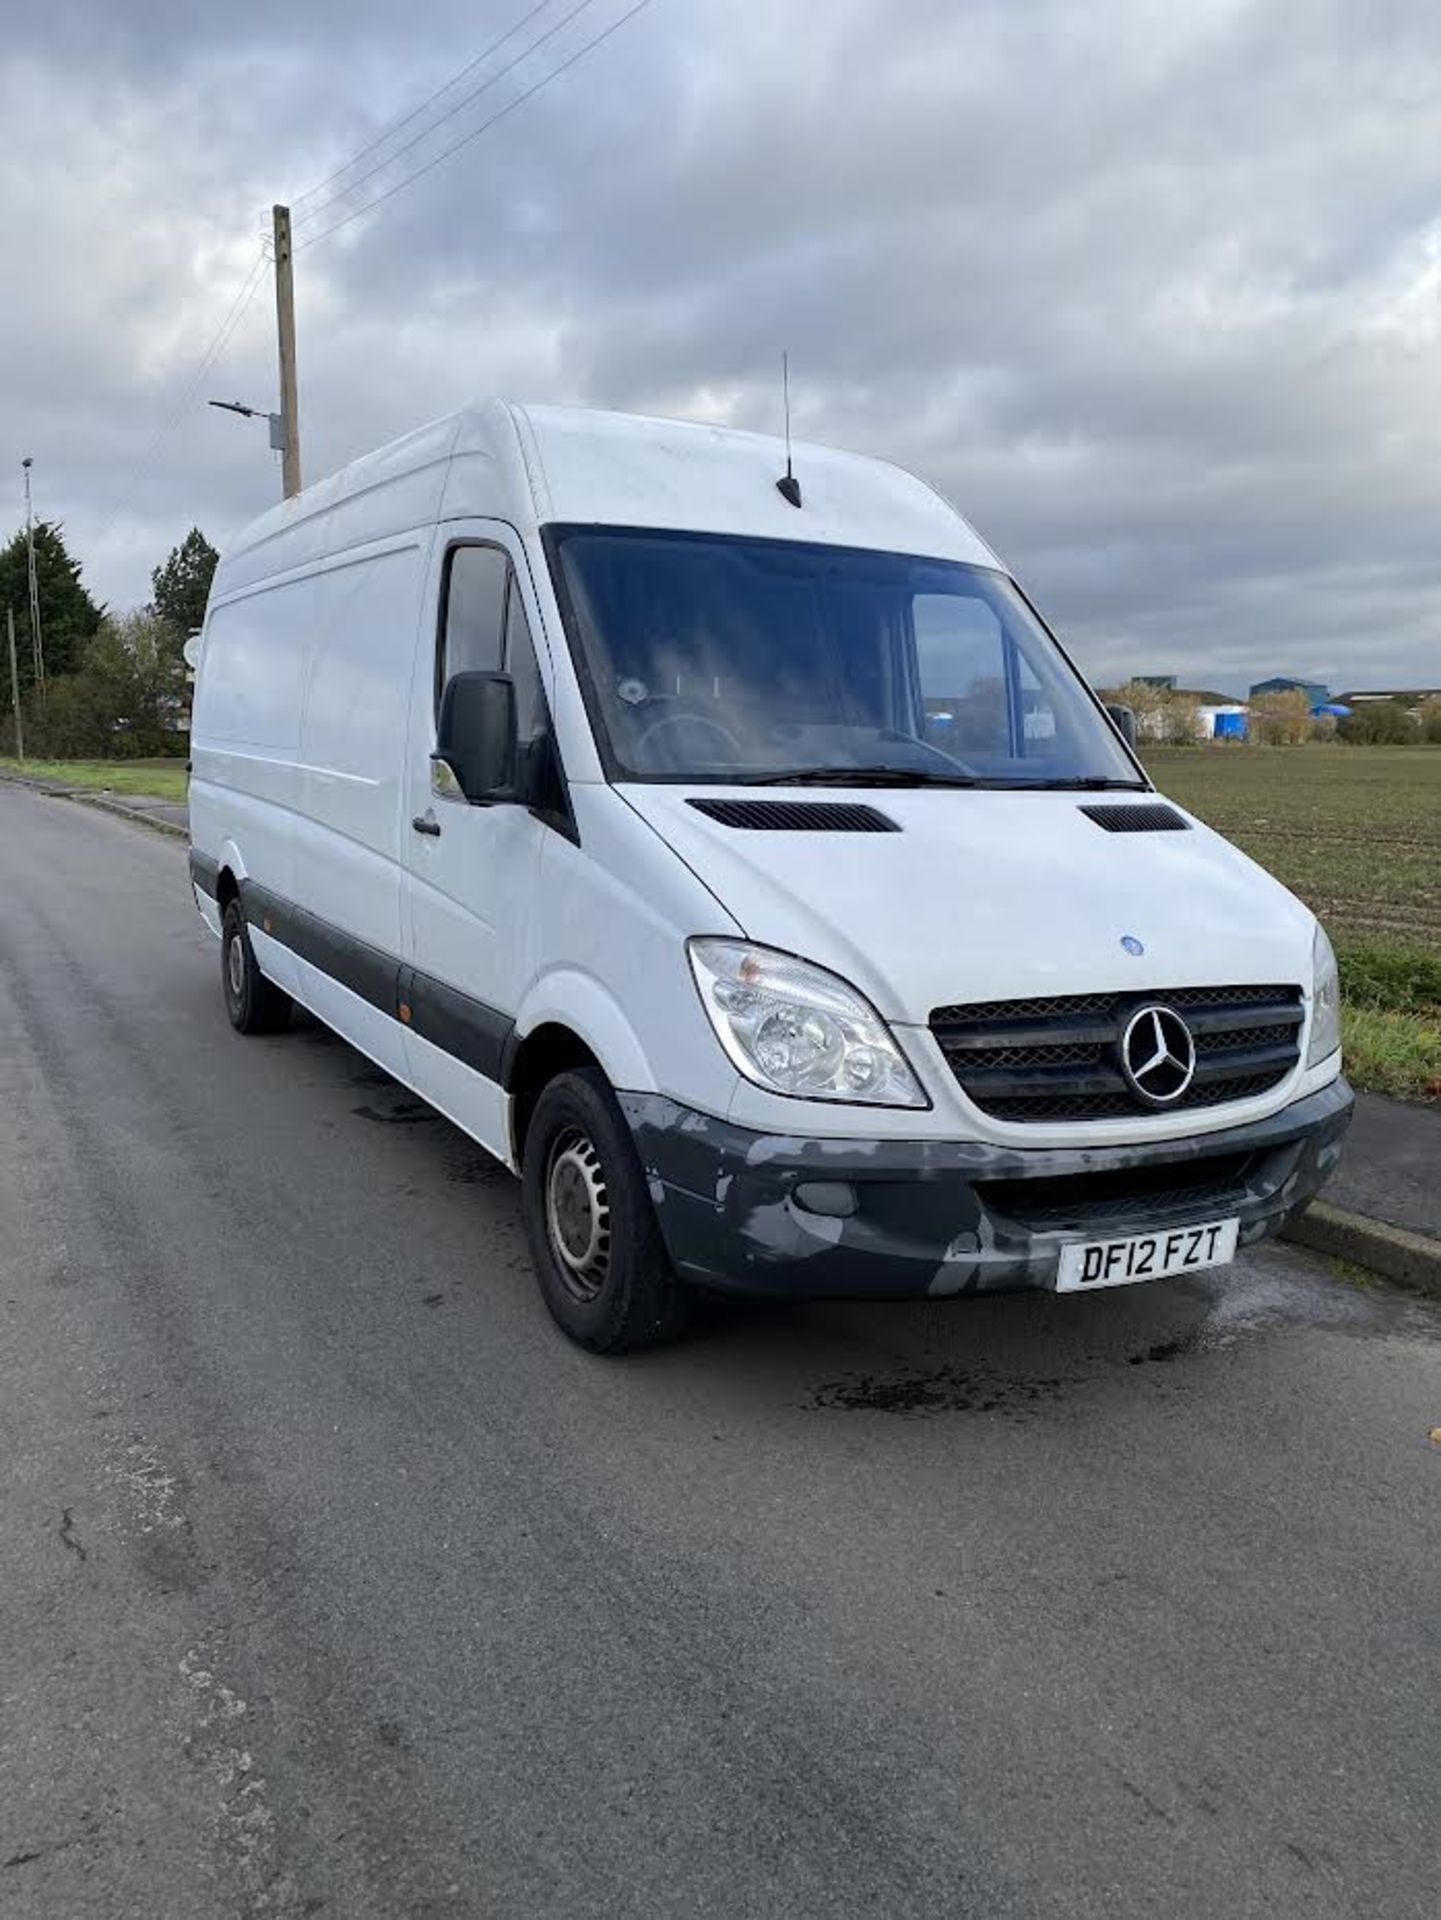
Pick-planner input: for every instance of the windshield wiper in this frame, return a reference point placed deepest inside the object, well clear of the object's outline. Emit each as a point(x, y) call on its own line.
point(853, 776)
point(1089, 783)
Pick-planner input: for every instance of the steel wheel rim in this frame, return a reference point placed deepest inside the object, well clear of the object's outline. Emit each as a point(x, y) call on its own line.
point(577, 1214)
point(235, 967)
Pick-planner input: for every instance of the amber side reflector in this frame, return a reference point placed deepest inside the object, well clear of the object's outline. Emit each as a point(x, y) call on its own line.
point(405, 1012)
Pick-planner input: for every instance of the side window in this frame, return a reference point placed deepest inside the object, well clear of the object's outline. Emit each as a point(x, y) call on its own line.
point(1038, 710)
point(473, 632)
point(960, 657)
point(485, 630)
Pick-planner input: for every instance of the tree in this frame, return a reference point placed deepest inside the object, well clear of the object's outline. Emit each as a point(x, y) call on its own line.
point(69, 617)
point(125, 702)
point(1148, 703)
point(135, 671)
point(1431, 719)
point(1381, 723)
point(182, 585)
point(1162, 715)
point(1280, 719)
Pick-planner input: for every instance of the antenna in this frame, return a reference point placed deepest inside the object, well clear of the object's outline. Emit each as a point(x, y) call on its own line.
point(789, 488)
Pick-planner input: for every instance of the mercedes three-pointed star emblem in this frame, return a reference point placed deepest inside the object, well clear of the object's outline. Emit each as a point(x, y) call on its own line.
point(1158, 1055)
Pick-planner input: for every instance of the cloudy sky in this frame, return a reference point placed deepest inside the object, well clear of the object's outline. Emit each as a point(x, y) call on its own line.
point(1150, 288)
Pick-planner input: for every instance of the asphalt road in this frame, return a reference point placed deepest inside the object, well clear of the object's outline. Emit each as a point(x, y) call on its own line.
point(335, 1581)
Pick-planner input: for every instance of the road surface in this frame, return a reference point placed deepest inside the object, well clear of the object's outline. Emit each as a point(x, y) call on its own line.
point(336, 1581)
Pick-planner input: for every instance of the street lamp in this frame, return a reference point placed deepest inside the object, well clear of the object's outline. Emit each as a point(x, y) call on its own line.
point(277, 420)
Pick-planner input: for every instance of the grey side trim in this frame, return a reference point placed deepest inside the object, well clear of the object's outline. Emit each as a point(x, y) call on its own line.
point(368, 971)
point(460, 1025)
point(476, 1034)
point(205, 873)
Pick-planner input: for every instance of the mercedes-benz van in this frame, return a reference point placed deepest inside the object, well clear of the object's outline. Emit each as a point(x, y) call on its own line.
point(729, 848)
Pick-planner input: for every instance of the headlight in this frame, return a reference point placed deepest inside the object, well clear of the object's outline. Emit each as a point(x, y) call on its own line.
point(1325, 1001)
point(796, 1029)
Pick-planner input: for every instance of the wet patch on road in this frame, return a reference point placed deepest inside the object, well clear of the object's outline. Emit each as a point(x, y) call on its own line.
point(910, 1391)
point(478, 1169)
point(1027, 1354)
point(1283, 1289)
point(1164, 1351)
point(401, 1113)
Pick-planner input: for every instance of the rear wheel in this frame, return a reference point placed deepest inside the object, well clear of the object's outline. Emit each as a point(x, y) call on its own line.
point(255, 1004)
point(598, 1252)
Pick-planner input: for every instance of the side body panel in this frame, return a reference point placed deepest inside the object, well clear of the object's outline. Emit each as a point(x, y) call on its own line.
point(349, 789)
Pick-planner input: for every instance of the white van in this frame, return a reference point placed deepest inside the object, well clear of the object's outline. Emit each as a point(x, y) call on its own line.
point(746, 866)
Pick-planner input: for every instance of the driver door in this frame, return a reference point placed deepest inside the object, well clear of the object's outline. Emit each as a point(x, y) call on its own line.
point(471, 871)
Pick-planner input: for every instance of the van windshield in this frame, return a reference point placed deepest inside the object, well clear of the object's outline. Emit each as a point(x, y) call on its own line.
point(720, 659)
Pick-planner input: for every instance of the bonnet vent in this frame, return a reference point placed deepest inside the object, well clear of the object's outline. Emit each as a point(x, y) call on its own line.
point(1137, 819)
point(796, 816)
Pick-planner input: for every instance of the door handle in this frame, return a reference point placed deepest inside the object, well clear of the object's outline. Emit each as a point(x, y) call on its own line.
point(424, 824)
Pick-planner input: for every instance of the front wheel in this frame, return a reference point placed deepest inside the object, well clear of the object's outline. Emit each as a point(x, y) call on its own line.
point(598, 1252)
point(255, 1004)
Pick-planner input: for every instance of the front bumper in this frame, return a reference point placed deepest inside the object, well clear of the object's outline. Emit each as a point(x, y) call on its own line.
point(807, 1218)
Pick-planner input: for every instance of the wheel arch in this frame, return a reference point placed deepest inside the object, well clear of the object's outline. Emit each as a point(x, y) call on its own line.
point(570, 1021)
point(231, 873)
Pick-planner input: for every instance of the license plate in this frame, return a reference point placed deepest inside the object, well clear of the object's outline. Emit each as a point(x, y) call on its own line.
point(1146, 1256)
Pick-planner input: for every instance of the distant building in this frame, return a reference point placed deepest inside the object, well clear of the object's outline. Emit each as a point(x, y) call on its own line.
point(1410, 697)
point(1208, 697)
point(1316, 691)
point(1221, 719)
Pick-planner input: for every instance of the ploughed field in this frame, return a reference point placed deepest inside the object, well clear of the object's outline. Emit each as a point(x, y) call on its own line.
point(1356, 832)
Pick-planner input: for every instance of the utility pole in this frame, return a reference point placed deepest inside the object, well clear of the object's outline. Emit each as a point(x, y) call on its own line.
point(15, 687)
point(36, 642)
point(285, 322)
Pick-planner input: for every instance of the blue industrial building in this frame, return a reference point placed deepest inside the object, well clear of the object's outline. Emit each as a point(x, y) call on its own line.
point(1316, 691)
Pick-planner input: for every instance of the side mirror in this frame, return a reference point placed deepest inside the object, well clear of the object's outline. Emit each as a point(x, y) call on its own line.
point(1124, 721)
point(475, 736)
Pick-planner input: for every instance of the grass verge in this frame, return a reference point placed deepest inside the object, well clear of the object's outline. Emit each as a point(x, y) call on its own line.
point(161, 779)
point(1391, 1016)
point(1396, 1053)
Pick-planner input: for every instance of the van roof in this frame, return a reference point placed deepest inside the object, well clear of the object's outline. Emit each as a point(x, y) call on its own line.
point(537, 465)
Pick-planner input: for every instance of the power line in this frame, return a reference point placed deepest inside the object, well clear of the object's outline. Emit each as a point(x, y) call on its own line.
point(405, 119)
point(450, 113)
point(252, 281)
point(220, 340)
point(218, 343)
point(476, 132)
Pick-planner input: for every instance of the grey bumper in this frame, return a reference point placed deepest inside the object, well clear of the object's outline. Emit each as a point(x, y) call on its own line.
point(856, 1219)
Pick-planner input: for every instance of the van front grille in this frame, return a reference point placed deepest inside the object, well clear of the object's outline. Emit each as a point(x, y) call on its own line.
point(1055, 1203)
point(1060, 1059)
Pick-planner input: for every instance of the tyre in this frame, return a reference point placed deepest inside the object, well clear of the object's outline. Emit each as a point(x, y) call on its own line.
point(255, 1004)
point(598, 1252)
